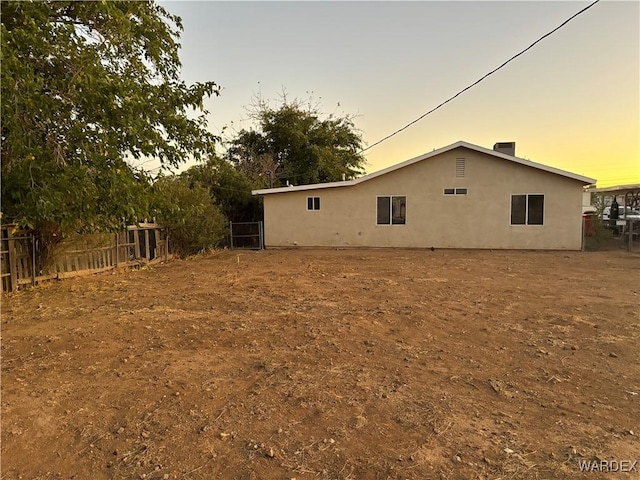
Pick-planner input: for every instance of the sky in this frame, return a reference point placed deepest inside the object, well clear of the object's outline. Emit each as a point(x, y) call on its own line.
point(571, 102)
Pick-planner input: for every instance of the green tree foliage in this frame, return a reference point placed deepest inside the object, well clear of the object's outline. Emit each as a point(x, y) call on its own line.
point(295, 144)
point(195, 224)
point(229, 188)
point(85, 87)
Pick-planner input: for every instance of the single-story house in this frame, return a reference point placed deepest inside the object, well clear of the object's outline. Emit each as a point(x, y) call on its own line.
point(459, 196)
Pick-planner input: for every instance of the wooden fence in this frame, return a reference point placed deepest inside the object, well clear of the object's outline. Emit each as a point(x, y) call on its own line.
point(22, 261)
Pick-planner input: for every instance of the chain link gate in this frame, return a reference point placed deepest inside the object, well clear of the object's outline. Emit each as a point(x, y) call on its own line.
point(246, 235)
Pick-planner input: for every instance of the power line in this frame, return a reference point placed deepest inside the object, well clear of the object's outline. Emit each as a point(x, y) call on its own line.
point(482, 78)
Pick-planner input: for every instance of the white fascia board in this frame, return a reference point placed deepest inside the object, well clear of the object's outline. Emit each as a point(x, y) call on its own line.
point(411, 161)
point(617, 188)
point(298, 188)
point(355, 181)
point(529, 163)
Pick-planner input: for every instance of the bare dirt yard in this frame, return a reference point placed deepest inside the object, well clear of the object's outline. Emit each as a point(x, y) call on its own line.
point(328, 364)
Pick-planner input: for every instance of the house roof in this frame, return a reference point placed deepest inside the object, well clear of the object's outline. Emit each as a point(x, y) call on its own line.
point(618, 189)
point(470, 146)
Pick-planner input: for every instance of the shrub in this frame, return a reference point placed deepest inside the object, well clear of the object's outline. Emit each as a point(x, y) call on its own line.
point(599, 237)
point(194, 223)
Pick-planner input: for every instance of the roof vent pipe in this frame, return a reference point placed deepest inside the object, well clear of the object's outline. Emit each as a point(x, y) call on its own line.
point(508, 148)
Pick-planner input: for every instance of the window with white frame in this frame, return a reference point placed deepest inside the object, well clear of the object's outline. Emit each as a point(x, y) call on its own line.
point(313, 203)
point(527, 209)
point(455, 191)
point(391, 210)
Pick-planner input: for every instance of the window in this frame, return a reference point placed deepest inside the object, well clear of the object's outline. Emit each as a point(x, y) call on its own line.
point(527, 209)
point(460, 167)
point(455, 191)
point(313, 203)
point(535, 209)
point(518, 209)
point(391, 210)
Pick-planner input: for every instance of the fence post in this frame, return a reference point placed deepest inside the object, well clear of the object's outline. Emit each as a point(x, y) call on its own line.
point(147, 249)
point(261, 235)
point(117, 248)
point(33, 260)
point(136, 243)
point(231, 235)
point(166, 245)
point(12, 260)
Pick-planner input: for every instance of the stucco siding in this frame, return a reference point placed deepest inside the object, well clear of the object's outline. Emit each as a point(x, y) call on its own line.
point(480, 219)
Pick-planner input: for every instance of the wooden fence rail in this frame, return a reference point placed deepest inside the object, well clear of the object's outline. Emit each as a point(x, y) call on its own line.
point(22, 261)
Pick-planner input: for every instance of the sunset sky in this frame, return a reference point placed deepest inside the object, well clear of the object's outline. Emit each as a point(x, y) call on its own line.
point(571, 102)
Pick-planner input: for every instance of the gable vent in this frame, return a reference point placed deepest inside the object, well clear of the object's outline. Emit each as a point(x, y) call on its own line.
point(460, 167)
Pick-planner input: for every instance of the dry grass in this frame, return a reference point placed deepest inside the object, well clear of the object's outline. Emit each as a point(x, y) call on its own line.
point(358, 364)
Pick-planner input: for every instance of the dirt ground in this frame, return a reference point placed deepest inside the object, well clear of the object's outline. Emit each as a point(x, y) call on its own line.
point(328, 364)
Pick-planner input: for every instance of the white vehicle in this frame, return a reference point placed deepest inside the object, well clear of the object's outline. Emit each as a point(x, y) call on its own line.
point(623, 214)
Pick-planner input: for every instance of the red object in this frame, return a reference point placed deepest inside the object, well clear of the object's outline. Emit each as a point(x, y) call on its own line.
point(589, 225)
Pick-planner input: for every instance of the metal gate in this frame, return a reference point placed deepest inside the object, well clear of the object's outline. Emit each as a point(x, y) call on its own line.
point(246, 235)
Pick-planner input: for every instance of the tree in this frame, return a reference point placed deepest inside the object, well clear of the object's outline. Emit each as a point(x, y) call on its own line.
point(249, 153)
point(194, 223)
point(86, 87)
point(229, 189)
point(295, 144)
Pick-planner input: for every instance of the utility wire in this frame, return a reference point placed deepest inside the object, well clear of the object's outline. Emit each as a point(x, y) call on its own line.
point(482, 78)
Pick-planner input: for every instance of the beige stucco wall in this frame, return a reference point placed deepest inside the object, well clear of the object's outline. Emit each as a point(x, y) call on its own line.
point(480, 219)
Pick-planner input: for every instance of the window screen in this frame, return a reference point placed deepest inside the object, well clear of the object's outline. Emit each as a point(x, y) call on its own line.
point(535, 209)
point(313, 203)
point(384, 210)
point(527, 209)
point(391, 210)
point(398, 210)
point(518, 209)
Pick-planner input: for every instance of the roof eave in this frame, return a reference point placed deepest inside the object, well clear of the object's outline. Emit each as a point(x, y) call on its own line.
point(424, 156)
point(529, 163)
point(298, 188)
point(355, 181)
point(617, 188)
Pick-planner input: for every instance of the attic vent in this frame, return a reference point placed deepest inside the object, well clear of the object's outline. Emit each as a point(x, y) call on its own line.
point(460, 166)
point(505, 147)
